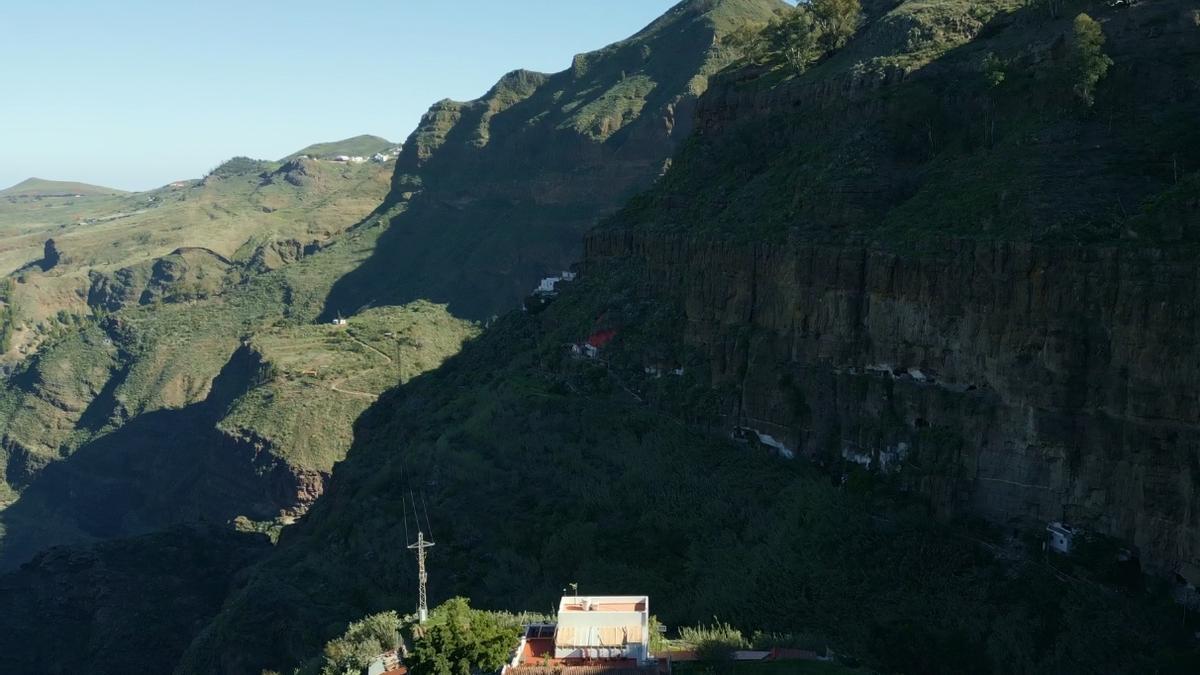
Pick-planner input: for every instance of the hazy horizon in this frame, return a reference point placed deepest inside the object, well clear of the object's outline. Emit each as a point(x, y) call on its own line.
point(136, 96)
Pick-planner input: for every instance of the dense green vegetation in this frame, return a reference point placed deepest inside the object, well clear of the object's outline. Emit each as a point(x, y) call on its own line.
point(930, 120)
point(556, 470)
point(983, 136)
point(101, 609)
point(332, 373)
point(362, 643)
point(458, 640)
point(802, 35)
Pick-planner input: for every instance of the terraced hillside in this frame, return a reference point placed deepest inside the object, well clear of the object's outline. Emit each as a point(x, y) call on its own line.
point(177, 387)
point(201, 408)
point(122, 239)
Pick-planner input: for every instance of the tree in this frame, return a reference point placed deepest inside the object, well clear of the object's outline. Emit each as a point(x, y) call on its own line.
point(1088, 63)
point(458, 640)
point(802, 36)
point(795, 39)
point(993, 70)
point(836, 21)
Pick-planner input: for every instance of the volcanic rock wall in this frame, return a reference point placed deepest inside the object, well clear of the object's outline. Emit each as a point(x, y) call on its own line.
point(1024, 383)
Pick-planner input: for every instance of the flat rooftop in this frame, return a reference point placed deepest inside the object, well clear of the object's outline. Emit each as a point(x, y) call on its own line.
point(603, 603)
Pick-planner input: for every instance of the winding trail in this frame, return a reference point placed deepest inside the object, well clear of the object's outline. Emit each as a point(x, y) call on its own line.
point(350, 392)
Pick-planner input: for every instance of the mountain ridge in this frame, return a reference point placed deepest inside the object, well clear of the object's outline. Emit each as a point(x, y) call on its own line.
point(498, 190)
point(363, 145)
point(41, 187)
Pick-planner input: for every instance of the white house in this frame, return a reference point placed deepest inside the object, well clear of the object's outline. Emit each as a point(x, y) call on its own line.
point(341, 158)
point(379, 157)
point(603, 627)
point(1061, 537)
point(547, 285)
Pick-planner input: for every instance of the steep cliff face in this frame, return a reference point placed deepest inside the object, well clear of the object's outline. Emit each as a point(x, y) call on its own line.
point(500, 189)
point(1004, 313)
point(1026, 383)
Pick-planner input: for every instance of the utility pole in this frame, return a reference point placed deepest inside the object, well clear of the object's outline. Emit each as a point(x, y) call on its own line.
point(422, 576)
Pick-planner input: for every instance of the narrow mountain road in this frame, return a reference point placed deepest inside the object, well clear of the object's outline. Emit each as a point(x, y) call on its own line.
point(335, 385)
point(350, 392)
point(385, 356)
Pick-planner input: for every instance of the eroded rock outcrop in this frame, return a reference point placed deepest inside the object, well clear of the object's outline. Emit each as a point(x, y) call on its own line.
point(1031, 383)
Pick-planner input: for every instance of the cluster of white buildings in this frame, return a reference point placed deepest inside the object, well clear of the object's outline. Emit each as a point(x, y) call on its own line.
point(549, 285)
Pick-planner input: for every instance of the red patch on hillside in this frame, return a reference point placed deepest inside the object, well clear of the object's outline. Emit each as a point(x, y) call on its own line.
point(601, 338)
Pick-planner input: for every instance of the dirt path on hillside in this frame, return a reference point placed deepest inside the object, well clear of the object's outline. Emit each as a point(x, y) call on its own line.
point(350, 392)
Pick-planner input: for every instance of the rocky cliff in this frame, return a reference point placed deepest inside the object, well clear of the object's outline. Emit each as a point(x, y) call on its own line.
point(500, 189)
point(1027, 383)
point(1004, 313)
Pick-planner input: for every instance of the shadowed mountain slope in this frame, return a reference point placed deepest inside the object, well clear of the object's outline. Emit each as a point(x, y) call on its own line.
point(841, 267)
point(500, 189)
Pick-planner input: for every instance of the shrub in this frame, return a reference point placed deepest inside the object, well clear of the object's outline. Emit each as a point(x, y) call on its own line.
point(807, 641)
point(802, 36)
point(361, 643)
point(993, 70)
point(713, 643)
point(458, 639)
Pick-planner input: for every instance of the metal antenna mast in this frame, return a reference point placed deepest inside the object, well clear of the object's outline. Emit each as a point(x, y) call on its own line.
point(422, 576)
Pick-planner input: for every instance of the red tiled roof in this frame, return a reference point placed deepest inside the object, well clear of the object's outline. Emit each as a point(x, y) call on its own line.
point(536, 648)
point(601, 338)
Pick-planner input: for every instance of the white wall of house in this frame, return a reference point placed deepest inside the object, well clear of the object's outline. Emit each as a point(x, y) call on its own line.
point(600, 634)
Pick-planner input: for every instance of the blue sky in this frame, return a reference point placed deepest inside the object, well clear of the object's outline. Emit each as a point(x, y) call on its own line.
point(134, 94)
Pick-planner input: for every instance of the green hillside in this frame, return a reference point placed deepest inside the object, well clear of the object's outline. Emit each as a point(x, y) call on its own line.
point(876, 297)
point(108, 244)
point(563, 469)
point(120, 336)
point(360, 146)
point(39, 187)
point(229, 375)
point(948, 152)
point(821, 187)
